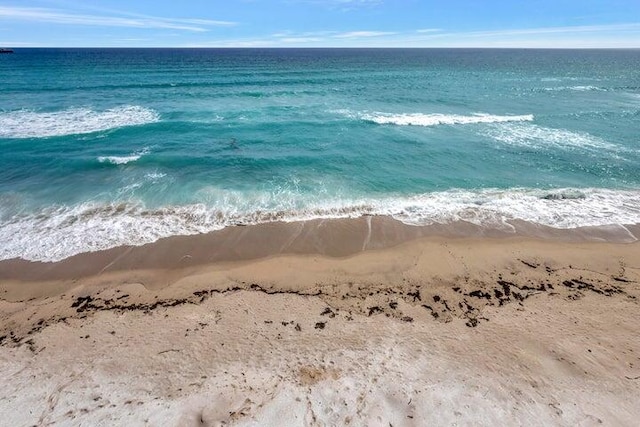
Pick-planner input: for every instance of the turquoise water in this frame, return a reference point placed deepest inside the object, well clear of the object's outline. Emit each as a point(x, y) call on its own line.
point(104, 147)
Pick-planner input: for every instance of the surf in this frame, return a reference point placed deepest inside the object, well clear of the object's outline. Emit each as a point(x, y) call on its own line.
point(58, 232)
point(436, 119)
point(23, 124)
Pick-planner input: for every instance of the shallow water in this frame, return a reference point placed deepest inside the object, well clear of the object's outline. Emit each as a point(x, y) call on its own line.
point(105, 147)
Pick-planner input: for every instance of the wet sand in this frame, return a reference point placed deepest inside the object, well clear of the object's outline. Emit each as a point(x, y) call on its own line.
point(345, 322)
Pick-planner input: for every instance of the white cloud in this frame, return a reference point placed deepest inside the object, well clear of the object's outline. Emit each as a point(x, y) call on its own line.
point(361, 34)
point(282, 34)
point(17, 44)
point(357, 2)
point(297, 40)
point(582, 36)
point(343, 5)
point(314, 34)
point(557, 30)
point(344, 2)
point(54, 16)
point(233, 43)
point(596, 36)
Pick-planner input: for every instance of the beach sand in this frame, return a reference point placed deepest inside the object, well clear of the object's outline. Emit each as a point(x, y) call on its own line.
point(340, 322)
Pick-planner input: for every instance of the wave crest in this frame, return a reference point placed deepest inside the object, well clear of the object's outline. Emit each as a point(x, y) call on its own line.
point(575, 88)
point(55, 233)
point(74, 121)
point(123, 160)
point(418, 119)
point(534, 136)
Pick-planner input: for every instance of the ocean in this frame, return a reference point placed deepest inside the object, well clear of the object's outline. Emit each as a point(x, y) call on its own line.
point(109, 147)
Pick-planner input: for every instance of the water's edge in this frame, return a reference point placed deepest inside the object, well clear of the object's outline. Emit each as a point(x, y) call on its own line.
point(325, 237)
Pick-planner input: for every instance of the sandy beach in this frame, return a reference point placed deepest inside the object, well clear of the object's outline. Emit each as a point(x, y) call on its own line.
point(330, 322)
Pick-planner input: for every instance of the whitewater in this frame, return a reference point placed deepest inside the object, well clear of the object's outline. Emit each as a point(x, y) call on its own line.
point(125, 147)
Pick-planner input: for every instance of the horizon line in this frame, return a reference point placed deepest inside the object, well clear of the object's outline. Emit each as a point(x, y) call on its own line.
point(8, 46)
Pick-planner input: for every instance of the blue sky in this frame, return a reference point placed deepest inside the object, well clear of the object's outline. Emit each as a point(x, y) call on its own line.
point(324, 23)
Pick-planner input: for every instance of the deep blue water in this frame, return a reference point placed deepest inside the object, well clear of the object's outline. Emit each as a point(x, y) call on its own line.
point(103, 147)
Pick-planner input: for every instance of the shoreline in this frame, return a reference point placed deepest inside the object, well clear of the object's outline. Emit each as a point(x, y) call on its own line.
point(320, 239)
point(334, 238)
point(332, 328)
point(327, 259)
point(71, 230)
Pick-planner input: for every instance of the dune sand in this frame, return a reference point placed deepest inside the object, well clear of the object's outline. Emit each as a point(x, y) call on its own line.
point(346, 322)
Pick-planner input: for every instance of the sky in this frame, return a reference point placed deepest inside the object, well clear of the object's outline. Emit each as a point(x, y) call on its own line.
point(320, 23)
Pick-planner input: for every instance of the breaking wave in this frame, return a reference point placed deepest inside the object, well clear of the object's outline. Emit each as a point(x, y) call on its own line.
point(59, 232)
point(534, 136)
point(123, 160)
point(418, 119)
point(575, 88)
point(74, 121)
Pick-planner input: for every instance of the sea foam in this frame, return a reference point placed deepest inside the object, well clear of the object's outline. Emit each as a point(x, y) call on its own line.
point(587, 88)
point(123, 160)
point(74, 121)
point(55, 233)
point(418, 119)
point(534, 136)
point(561, 208)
